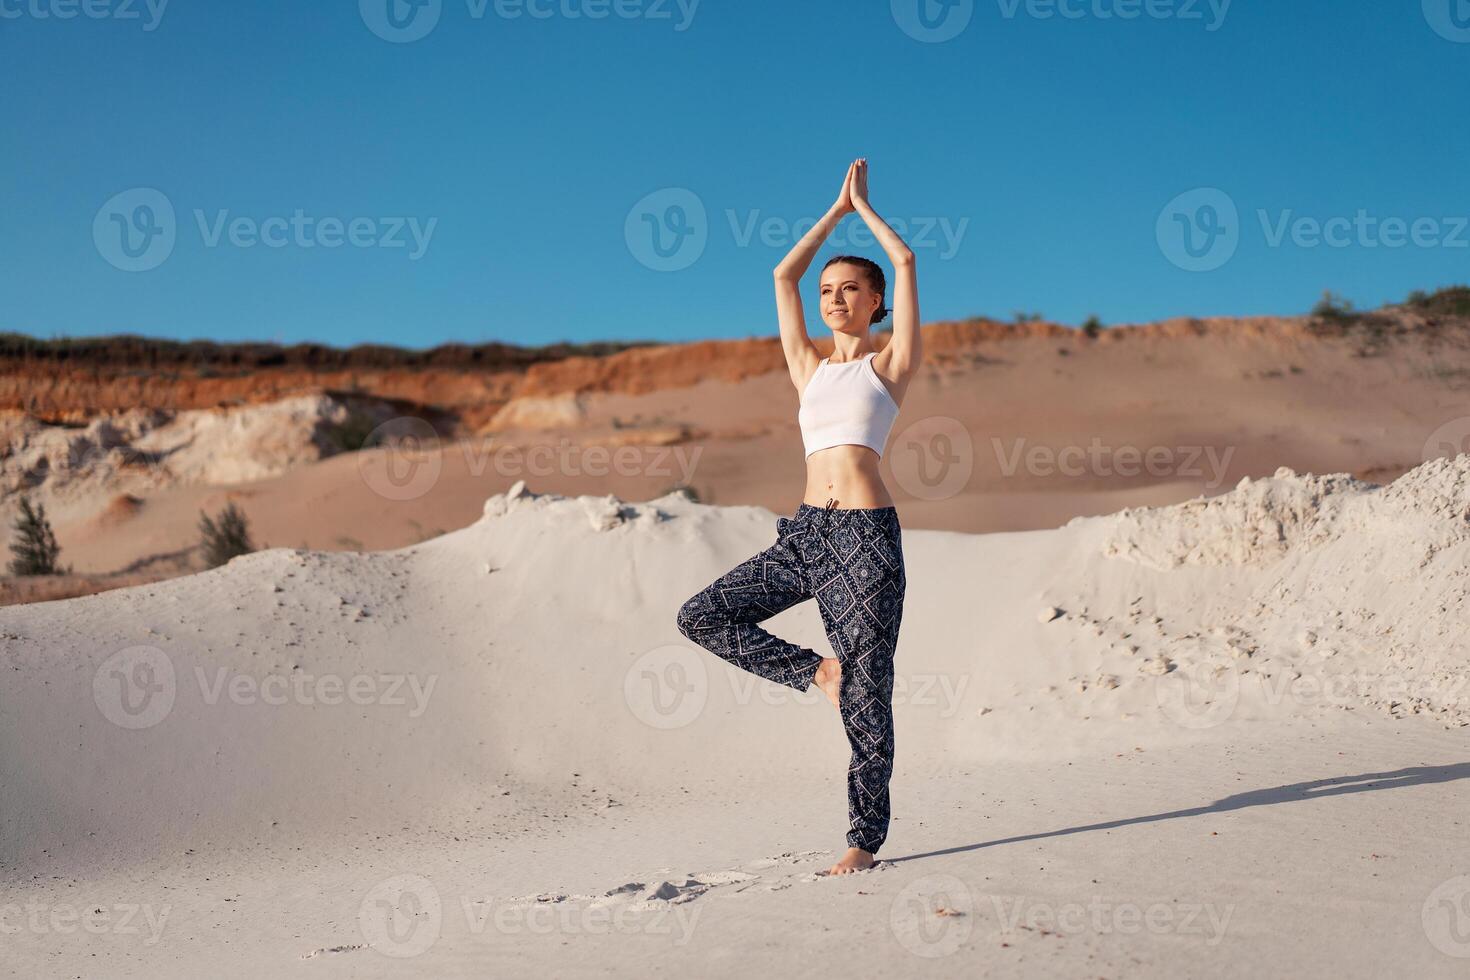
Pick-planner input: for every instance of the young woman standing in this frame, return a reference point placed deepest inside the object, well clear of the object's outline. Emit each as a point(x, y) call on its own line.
point(843, 546)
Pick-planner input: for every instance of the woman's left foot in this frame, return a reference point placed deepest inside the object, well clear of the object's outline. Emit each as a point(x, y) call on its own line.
point(829, 679)
point(856, 859)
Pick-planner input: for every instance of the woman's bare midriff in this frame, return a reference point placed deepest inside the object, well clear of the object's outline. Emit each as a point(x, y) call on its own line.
point(847, 473)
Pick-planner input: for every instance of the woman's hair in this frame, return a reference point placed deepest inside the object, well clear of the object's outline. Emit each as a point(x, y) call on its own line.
point(876, 280)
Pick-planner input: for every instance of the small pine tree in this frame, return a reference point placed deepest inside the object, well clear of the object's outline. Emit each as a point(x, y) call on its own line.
point(226, 538)
point(35, 548)
point(1092, 327)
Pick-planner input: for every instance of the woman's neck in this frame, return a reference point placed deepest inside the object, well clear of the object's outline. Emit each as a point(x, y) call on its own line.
point(855, 350)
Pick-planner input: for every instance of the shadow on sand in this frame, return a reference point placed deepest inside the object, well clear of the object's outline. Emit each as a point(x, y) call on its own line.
point(1333, 786)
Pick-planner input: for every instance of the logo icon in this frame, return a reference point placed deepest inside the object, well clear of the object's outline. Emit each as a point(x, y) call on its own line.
point(933, 458)
point(932, 21)
point(667, 230)
point(402, 916)
point(1449, 18)
point(667, 687)
point(1446, 916)
point(1199, 230)
point(405, 461)
point(1450, 439)
point(135, 230)
point(1203, 701)
point(400, 21)
point(135, 687)
point(933, 915)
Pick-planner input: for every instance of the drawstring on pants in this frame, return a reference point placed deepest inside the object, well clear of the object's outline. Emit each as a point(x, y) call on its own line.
point(789, 528)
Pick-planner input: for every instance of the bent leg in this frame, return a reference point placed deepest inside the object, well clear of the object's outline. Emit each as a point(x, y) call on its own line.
point(722, 617)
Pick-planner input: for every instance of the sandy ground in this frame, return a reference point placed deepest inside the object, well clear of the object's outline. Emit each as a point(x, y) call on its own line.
point(1216, 738)
point(1267, 852)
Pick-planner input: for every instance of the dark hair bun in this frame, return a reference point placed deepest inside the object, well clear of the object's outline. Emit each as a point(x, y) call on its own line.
point(880, 314)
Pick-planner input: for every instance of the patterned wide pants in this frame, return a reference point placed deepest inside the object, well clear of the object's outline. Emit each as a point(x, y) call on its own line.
point(851, 562)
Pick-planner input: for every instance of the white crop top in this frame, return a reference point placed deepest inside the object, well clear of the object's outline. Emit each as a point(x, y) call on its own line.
point(846, 405)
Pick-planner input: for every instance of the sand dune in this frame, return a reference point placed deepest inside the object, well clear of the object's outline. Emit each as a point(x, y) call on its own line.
point(1029, 425)
point(318, 756)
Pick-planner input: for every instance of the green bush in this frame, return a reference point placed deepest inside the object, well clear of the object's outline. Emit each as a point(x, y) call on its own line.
point(1452, 301)
point(1334, 307)
point(353, 434)
point(1092, 327)
point(226, 538)
point(35, 548)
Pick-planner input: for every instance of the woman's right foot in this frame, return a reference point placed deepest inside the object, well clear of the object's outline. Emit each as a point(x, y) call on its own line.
point(829, 679)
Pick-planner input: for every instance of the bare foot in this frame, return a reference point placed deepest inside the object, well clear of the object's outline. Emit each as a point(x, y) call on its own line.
point(829, 678)
point(856, 859)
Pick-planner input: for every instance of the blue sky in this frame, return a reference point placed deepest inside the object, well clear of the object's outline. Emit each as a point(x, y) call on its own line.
point(500, 177)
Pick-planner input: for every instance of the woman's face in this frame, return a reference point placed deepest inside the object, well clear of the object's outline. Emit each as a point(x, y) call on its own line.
point(848, 302)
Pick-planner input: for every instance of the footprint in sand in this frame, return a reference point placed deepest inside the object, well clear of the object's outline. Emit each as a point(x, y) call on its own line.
point(660, 888)
point(326, 950)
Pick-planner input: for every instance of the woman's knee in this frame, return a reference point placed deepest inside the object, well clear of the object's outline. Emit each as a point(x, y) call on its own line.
point(688, 618)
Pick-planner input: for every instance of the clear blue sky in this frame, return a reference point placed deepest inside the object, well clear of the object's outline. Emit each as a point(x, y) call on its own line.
point(1048, 146)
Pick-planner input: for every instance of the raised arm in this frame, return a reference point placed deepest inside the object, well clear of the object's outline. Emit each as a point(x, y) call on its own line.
point(905, 349)
point(801, 354)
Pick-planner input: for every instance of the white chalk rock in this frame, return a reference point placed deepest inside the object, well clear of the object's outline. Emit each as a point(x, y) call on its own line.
point(1157, 666)
point(605, 513)
point(502, 503)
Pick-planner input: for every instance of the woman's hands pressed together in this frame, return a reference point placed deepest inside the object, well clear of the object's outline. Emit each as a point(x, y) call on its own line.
point(844, 203)
point(854, 196)
point(858, 184)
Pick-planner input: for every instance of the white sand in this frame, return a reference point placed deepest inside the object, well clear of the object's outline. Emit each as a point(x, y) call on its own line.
point(1215, 739)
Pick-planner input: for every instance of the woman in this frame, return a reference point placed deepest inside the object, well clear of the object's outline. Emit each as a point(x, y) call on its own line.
point(847, 551)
